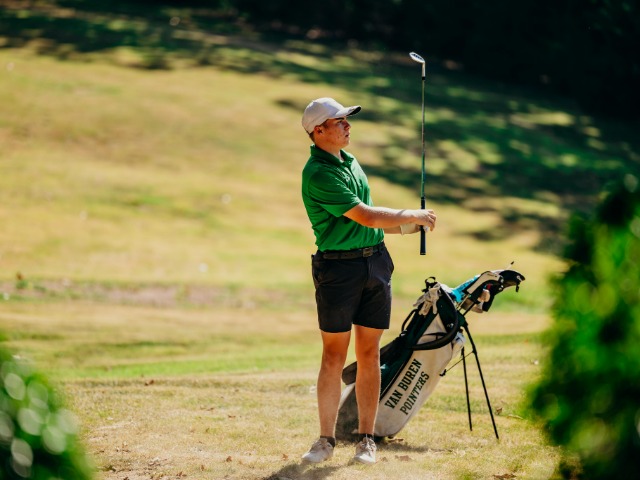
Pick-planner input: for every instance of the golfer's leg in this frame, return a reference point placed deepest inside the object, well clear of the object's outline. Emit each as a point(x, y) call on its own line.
point(368, 377)
point(334, 355)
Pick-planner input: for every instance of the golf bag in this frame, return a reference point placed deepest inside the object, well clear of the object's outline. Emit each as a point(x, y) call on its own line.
point(412, 365)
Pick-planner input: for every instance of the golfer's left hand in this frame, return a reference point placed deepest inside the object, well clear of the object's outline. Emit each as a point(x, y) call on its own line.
point(426, 218)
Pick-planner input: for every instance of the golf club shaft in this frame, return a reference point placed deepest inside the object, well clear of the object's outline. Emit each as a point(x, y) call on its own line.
point(423, 232)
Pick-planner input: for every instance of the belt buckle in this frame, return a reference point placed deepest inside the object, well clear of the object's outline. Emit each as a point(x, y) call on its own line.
point(367, 251)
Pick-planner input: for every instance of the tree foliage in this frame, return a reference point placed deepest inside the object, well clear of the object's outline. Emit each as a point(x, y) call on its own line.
point(588, 396)
point(584, 49)
point(38, 436)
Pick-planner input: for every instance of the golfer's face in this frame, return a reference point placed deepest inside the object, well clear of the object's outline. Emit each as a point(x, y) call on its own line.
point(337, 131)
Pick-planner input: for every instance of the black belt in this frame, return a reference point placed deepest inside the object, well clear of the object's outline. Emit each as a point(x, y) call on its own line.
point(347, 254)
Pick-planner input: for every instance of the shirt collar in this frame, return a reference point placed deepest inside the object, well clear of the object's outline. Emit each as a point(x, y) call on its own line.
point(318, 152)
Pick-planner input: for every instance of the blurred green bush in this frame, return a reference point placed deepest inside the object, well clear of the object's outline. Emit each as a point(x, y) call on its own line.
point(589, 394)
point(38, 436)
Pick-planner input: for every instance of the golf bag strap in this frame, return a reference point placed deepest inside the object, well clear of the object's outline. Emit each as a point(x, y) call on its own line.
point(443, 340)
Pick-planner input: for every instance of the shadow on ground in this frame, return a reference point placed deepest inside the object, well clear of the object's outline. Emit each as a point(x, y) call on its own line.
point(304, 472)
point(395, 450)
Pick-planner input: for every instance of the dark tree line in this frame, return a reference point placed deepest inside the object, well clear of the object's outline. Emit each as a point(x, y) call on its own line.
point(584, 49)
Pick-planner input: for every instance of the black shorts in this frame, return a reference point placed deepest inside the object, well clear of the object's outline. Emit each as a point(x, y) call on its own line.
point(353, 291)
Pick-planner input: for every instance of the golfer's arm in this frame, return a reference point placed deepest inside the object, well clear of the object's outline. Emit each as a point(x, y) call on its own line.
point(388, 219)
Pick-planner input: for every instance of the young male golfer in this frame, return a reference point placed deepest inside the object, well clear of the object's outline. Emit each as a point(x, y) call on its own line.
point(351, 270)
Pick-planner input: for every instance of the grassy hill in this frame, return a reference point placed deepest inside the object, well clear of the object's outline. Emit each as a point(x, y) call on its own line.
point(113, 174)
point(190, 174)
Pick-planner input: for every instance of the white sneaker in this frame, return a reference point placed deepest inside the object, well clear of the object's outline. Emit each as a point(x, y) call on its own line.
point(366, 451)
point(320, 451)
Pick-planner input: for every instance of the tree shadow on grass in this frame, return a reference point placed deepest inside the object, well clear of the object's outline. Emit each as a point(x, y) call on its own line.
point(485, 141)
point(490, 147)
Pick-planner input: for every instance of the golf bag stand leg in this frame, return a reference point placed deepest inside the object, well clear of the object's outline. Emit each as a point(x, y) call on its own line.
point(486, 394)
point(466, 387)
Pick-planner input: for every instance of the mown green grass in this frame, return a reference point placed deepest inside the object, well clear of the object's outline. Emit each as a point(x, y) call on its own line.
point(231, 392)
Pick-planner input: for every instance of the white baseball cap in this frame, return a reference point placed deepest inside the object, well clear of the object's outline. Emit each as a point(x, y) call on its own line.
point(322, 109)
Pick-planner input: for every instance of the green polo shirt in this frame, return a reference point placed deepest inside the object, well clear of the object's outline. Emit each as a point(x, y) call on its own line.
point(330, 188)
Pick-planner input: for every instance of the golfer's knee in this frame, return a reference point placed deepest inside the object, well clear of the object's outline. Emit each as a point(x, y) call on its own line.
point(333, 360)
point(368, 356)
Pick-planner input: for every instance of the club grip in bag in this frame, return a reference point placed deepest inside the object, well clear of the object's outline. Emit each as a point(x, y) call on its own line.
point(423, 233)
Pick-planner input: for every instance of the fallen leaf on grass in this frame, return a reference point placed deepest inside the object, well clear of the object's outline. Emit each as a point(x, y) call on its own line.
point(285, 456)
point(149, 382)
point(123, 448)
point(229, 459)
point(505, 476)
point(395, 440)
point(403, 458)
point(498, 410)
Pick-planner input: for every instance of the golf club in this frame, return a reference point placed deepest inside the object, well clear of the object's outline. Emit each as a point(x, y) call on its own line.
point(423, 234)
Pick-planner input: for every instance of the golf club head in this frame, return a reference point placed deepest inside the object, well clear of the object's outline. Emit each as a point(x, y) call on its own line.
point(416, 58)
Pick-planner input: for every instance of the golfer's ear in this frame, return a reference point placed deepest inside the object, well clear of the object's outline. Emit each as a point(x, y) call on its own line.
point(317, 129)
